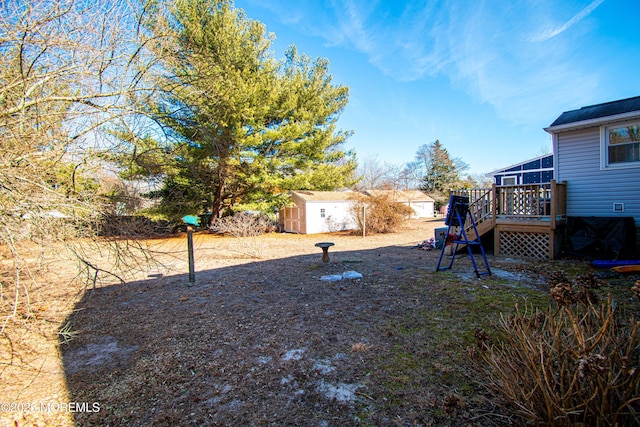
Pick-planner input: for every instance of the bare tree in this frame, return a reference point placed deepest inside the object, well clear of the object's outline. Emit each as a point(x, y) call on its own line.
point(390, 176)
point(70, 70)
point(401, 177)
point(371, 173)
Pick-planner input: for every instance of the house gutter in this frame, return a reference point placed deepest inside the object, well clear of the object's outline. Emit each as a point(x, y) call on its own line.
point(591, 122)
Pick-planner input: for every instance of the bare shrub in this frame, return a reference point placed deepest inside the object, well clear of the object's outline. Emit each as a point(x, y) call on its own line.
point(576, 364)
point(379, 214)
point(242, 225)
point(246, 228)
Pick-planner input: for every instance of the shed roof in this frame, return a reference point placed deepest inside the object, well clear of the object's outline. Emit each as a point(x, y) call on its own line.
point(324, 196)
point(402, 195)
point(595, 113)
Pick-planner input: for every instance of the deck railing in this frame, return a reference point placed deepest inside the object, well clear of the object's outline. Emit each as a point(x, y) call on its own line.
point(481, 202)
point(517, 202)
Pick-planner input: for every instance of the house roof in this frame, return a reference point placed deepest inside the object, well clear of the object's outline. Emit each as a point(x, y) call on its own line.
point(594, 114)
point(324, 196)
point(401, 195)
point(507, 169)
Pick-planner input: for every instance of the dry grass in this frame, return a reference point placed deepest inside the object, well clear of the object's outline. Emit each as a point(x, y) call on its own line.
point(265, 342)
point(360, 347)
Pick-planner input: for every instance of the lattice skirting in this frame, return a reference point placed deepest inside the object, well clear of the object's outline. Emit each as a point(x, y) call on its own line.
point(526, 245)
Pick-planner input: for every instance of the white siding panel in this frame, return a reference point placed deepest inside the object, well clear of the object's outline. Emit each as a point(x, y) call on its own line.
point(421, 209)
point(590, 190)
point(337, 216)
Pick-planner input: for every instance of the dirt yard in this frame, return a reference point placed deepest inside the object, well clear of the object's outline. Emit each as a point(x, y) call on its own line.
point(260, 339)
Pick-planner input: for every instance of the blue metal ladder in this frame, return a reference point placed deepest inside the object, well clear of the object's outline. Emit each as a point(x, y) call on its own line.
point(458, 212)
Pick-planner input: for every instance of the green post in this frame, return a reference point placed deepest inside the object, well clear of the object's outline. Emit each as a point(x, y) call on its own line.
point(191, 221)
point(192, 272)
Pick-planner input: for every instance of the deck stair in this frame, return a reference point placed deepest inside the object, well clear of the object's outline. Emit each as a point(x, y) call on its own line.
point(458, 216)
point(480, 213)
point(526, 219)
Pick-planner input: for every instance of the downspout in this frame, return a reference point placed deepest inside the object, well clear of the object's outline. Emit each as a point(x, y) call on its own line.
point(554, 145)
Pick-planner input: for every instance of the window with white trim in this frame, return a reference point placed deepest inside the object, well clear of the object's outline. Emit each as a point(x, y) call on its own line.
point(323, 213)
point(509, 180)
point(621, 145)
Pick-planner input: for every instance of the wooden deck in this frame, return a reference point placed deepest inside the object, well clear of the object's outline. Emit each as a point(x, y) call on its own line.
point(526, 219)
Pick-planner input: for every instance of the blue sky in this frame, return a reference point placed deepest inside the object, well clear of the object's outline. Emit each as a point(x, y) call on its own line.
point(483, 77)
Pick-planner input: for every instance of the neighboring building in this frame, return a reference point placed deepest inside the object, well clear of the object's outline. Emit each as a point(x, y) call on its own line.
point(423, 206)
point(534, 171)
point(597, 153)
point(319, 212)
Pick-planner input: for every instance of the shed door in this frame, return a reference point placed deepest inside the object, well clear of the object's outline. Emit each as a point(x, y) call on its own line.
point(292, 219)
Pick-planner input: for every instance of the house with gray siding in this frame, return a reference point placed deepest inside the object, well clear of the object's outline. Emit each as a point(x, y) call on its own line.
point(591, 204)
point(597, 153)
